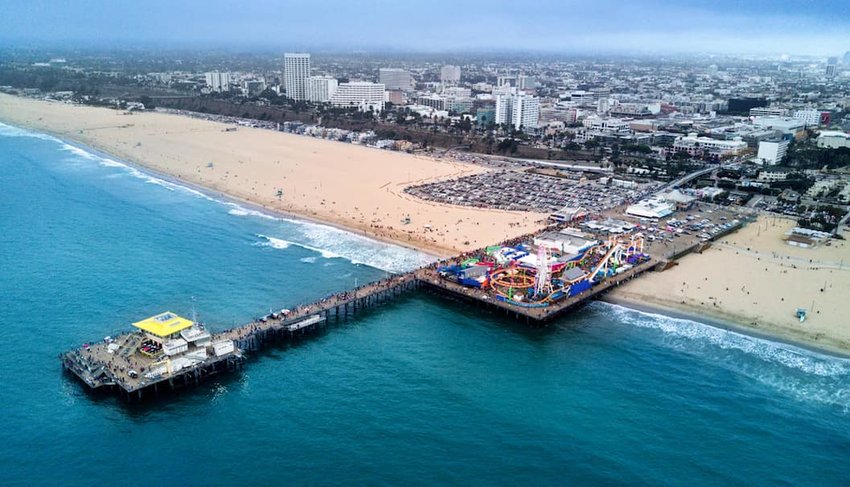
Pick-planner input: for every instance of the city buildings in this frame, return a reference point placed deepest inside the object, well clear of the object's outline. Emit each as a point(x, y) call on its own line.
point(395, 79)
point(363, 95)
point(296, 70)
point(450, 74)
point(788, 126)
point(810, 117)
point(320, 89)
point(695, 146)
point(217, 81)
point(831, 66)
point(833, 139)
point(768, 112)
point(771, 153)
point(520, 111)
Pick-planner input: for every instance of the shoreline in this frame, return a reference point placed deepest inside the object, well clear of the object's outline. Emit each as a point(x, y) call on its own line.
point(350, 187)
point(248, 205)
point(703, 316)
point(436, 252)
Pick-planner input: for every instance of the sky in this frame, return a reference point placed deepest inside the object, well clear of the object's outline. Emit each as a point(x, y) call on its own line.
point(816, 27)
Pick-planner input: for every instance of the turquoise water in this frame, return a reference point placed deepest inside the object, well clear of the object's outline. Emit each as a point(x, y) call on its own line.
point(422, 391)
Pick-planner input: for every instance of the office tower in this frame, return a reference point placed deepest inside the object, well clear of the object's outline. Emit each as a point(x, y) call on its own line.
point(296, 70)
point(830, 66)
point(395, 79)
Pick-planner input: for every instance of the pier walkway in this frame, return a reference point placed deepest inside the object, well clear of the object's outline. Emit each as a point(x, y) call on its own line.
point(114, 364)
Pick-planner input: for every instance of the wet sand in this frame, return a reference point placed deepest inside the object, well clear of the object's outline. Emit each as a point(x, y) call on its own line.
point(346, 185)
point(753, 279)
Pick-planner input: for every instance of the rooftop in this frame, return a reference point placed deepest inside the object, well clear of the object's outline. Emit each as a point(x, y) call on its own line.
point(163, 324)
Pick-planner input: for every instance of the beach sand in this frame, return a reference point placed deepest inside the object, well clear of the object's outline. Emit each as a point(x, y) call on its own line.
point(346, 185)
point(752, 278)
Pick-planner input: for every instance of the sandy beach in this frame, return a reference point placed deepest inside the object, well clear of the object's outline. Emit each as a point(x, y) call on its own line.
point(346, 185)
point(754, 280)
point(750, 279)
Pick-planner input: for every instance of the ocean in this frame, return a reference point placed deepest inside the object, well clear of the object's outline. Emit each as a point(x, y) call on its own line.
point(421, 391)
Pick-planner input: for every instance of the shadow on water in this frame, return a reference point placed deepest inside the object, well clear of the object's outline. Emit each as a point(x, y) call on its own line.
point(482, 315)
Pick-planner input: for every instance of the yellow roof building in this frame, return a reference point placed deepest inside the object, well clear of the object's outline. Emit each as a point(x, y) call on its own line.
point(163, 324)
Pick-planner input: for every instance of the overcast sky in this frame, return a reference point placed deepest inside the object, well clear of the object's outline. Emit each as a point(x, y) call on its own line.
point(820, 27)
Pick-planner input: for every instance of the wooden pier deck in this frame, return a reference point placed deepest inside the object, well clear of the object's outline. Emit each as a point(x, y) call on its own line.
point(430, 279)
point(114, 365)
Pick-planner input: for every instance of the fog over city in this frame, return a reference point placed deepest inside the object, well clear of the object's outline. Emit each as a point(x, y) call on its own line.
point(723, 26)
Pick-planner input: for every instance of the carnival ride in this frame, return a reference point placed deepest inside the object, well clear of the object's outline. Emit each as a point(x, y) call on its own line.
point(512, 277)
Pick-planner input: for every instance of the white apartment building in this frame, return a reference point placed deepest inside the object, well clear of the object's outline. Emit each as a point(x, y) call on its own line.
point(450, 74)
point(360, 94)
point(694, 145)
point(395, 79)
point(771, 153)
point(810, 117)
point(217, 81)
point(526, 111)
point(296, 70)
point(320, 89)
point(521, 111)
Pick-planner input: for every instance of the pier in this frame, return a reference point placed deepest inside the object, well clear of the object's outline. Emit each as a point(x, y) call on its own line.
point(114, 364)
point(168, 352)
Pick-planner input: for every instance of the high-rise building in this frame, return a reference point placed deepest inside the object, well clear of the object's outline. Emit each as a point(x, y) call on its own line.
point(395, 79)
point(526, 112)
point(503, 113)
point(296, 70)
point(520, 111)
point(830, 66)
point(320, 89)
point(217, 81)
point(359, 94)
point(450, 74)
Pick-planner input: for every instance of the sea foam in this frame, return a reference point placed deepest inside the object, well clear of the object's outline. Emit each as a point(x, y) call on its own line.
point(328, 241)
point(801, 373)
point(331, 243)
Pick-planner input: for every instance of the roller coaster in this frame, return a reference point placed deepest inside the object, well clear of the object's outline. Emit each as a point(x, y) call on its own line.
point(549, 282)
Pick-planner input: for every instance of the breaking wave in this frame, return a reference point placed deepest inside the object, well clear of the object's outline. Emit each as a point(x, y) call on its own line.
point(332, 242)
point(801, 373)
point(12, 131)
point(278, 243)
point(80, 153)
